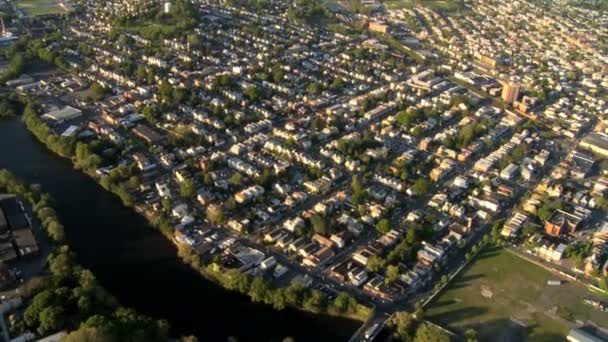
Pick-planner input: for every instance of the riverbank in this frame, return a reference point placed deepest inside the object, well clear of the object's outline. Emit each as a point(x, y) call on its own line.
point(69, 296)
point(257, 288)
point(306, 326)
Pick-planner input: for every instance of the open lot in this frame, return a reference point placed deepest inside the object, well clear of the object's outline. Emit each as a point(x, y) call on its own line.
point(506, 298)
point(39, 7)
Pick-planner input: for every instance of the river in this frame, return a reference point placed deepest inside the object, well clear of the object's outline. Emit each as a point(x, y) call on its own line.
point(140, 267)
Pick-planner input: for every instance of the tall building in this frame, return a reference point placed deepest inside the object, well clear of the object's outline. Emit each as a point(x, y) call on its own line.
point(510, 91)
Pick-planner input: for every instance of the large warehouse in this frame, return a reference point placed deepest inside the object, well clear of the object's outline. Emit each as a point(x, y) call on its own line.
point(596, 142)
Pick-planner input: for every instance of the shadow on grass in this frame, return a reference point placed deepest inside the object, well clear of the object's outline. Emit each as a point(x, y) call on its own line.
point(456, 286)
point(464, 281)
point(444, 303)
point(506, 330)
point(497, 330)
point(468, 278)
point(488, 252)
point(452, 316)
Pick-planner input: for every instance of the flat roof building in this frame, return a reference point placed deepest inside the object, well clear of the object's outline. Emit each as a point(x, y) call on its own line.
point(595, 142)
point(25, 242)
point(12, 211)
point(148, 134)
point(66, 113)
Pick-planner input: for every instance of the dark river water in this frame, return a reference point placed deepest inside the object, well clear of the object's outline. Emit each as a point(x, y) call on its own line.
point(140, 267)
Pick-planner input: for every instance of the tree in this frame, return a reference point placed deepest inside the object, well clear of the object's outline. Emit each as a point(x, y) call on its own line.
point(337, 83)
point(392, 272)
point(215, 214)
point(375, 264)
point(236, 280)
point(316, 302)
point(180, 95)
point(61, 262)
point(141, 73)
point(252, 92)
point(98, 91)
point(236, 179)
point(134, 182)
point(90, 334)
point(471, 335)
point(51, 319)
point(313, 88)
point(259, 289)
point(151, 115)
point(165, 92)
point(55, 231)
point(429, 333)
point(208, 178)
point(411, 236)
point(265, 179)
point(345, 303)
point(355, 184)
point(150, 77)
point(383, 226)
point(278, 300)
point(320, 225)
point(41, 301)
point(359, 194)
point(122, 192)
point(294, 294)
point(166, 203)
point(84, 158)
point(529, 229)
point(194, 40)
point(543, 213)
point(420, 187)
point(128, 325)
point(317, 123)
point(517, 154)
point(187, 189)
point(402, 323)
point(277, 74)
point(357, 6)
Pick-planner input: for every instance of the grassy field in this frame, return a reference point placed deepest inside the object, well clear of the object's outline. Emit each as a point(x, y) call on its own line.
point(439, 5)
point(506, 298)
point(39, 7)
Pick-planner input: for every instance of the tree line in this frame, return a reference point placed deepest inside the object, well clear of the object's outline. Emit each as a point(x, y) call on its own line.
point(25, 50)
point(260, 290)
point(405, 327)
point(9, 105)
point(69, 296)
point(83, 155)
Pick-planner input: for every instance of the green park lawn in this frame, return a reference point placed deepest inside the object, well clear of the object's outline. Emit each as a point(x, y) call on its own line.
point(440, 5)
point(506, 298)
point(39, 7)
